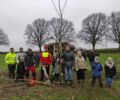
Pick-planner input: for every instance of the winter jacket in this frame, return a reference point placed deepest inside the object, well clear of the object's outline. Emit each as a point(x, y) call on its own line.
point(10, 58)
point(80, 63)
point(96, 69)
point(110, 71)
point(29, 60)
point(91, 56)
point(68, 58)
point(45, 58)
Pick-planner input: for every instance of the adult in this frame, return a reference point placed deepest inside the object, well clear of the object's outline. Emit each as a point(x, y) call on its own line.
point(20, 64)
point(83, 54)
point(10, 59)
point(69, 61)
point(30, 64)
point(45, 60)
point(91, 57)
point(37, 58)
point(20, 55)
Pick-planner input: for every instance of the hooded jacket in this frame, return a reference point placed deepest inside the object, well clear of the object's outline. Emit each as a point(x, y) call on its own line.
point(96, 69)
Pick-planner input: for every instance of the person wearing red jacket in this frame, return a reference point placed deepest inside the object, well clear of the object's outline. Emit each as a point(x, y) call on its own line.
point(45, 60)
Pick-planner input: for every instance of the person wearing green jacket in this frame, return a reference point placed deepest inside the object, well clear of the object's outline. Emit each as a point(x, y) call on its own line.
point(10, 60)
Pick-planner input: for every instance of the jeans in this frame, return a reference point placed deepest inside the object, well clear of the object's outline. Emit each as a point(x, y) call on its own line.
point(109, 81)
point(68, 74)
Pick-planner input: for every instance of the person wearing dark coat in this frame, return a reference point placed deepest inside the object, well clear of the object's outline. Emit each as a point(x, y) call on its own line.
point(68, 62)
point(110, 72)
point(83, 54)
point(91, 57)
point(30, 64)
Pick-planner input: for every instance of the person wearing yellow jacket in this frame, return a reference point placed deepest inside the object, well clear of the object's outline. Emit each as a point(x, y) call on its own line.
point(10, 60)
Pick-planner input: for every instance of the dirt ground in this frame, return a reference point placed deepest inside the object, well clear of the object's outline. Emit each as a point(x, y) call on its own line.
point(9, 90)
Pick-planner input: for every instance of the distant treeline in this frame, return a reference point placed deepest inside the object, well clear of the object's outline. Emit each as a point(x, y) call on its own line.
point(109, 50)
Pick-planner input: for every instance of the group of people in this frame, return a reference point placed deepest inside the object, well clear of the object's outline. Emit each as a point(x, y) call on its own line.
point(63, 65)
point(27, 62)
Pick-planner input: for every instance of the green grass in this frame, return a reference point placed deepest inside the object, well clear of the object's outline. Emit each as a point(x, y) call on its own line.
point(68, 93)
point(3, 65)
point(103, 58)
point(108, 50)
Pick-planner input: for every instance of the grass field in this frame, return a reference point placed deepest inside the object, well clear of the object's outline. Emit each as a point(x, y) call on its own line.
point(59, 93)
point(3, 65)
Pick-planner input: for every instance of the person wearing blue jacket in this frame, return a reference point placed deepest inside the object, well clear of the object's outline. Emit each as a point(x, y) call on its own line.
point(96, 72)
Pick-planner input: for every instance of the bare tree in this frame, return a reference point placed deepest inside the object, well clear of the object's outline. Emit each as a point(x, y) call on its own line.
point(93, 29)
point(64, 33)
point(114, 28)
point(37, 33)
point(3, 38)
point(59, 7)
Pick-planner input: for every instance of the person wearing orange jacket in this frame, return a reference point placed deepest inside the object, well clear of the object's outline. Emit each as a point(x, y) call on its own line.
point(45, 60)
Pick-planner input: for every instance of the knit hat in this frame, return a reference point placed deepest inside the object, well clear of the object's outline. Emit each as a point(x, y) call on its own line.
point(96, 59)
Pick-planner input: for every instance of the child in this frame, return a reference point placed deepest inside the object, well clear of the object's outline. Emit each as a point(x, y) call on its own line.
point(96, 72)
point(110, 72)
point(56, 69)
point(80, 68)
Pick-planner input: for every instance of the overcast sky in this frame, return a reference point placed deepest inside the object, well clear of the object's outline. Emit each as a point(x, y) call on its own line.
point(16, 14)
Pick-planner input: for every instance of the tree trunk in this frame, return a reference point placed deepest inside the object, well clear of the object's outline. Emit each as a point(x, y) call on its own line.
point(93, 46)
point(40, 47)
point(119, 47)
